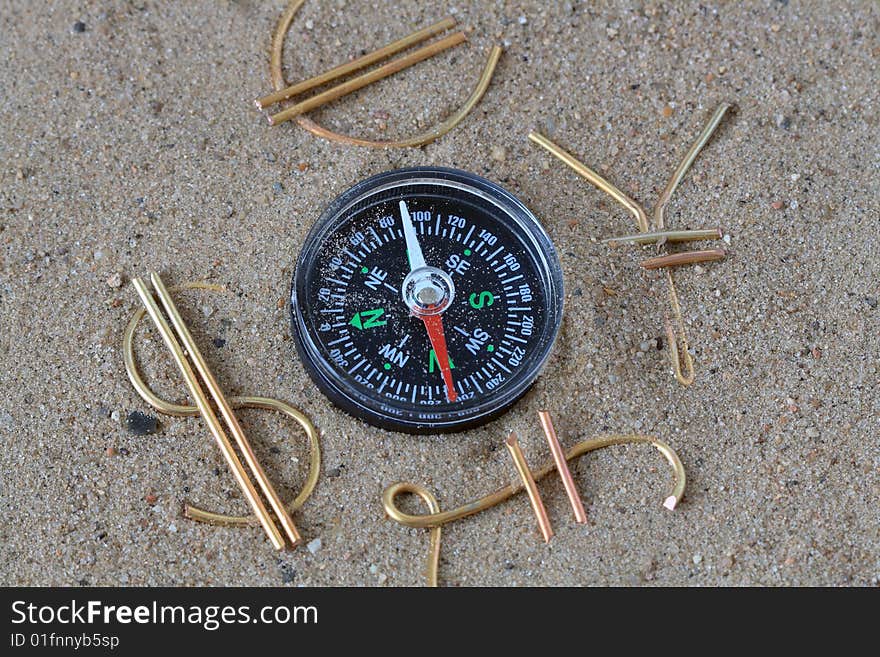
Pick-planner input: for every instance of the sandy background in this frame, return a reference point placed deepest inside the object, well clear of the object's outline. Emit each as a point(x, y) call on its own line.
point(133, 145)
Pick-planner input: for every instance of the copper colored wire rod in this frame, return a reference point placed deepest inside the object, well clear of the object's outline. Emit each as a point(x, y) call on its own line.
point(226, 411)
point(208, 415)
point(436, 519)
point(686, 258)
point(562, 467)
point(522, 467)
point(670, 236)
point(426, 137)
point(361, 81)
point(184, 410)
point(356, 64)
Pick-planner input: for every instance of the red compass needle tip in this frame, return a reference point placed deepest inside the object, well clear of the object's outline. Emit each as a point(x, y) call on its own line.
point(434, 326)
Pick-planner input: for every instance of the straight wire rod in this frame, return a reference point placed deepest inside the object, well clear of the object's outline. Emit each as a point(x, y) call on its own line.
point(522, 467)
point(226, 410)
point(361, 81)
point(685, 164)
point(686, 258)
point(670, 236)
point(586, 172)
point(562, 467)
point(356, 64)
point(238, 471)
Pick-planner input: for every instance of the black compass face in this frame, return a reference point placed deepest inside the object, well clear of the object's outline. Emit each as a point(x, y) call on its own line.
point(426, 300)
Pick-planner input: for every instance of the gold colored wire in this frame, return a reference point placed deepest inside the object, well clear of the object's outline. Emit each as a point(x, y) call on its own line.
point(368, 78)
point(685, 164)
point(437, 518)
point(421, 139)
point(679, 349)
point(184, 410)
point(434, 507)
point(594, 178)
point(525, 475)
point(357, 64)
point(208, 415)
point(666, 236)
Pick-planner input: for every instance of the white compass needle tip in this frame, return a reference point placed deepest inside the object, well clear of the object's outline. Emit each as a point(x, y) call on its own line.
point(416, 259)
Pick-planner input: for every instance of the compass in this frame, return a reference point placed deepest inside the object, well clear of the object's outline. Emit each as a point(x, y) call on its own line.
point(426, 300)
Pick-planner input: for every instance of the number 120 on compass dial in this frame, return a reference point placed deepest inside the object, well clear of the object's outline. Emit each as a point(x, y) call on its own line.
point(426, 300)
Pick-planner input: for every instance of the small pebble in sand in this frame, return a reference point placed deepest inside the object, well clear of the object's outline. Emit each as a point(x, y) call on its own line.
point(151, 499)
point(111, 451)
point(777, 205)
point(79, 27)
point(523, 20)
point(115, 280)
point(499, 153)
point(314, 545)
point(310, 24)
point(207, 311)
point(172, 528)
point(667, 111)
point(698, 559)
point(141, 424)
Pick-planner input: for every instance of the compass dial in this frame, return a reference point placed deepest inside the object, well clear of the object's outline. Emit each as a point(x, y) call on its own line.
point(426, 300)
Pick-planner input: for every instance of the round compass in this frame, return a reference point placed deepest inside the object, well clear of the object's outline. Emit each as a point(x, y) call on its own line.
point(426, 300)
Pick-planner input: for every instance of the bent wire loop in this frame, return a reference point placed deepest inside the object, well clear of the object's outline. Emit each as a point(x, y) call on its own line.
point(185, 410)
point(421, 139)
point(679, 354)
point(437, 518)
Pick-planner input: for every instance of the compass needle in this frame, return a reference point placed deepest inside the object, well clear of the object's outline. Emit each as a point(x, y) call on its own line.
point(413, 249)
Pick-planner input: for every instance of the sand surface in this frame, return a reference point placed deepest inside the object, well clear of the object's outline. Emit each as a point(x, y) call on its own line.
point(130, 143)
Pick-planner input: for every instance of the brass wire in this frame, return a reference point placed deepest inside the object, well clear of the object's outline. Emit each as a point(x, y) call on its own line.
point(184, 410)
point(356, 64)
point(208, 415)
point(368, 78)
point(679, 350)
point(597, 180)
point(437, 518)
point(666, 236)
point(421, 139)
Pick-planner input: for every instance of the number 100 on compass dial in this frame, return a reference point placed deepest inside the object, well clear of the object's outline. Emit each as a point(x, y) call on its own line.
point(426, 300)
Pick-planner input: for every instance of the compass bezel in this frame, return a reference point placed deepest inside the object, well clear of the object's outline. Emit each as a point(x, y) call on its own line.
point(378, 412)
